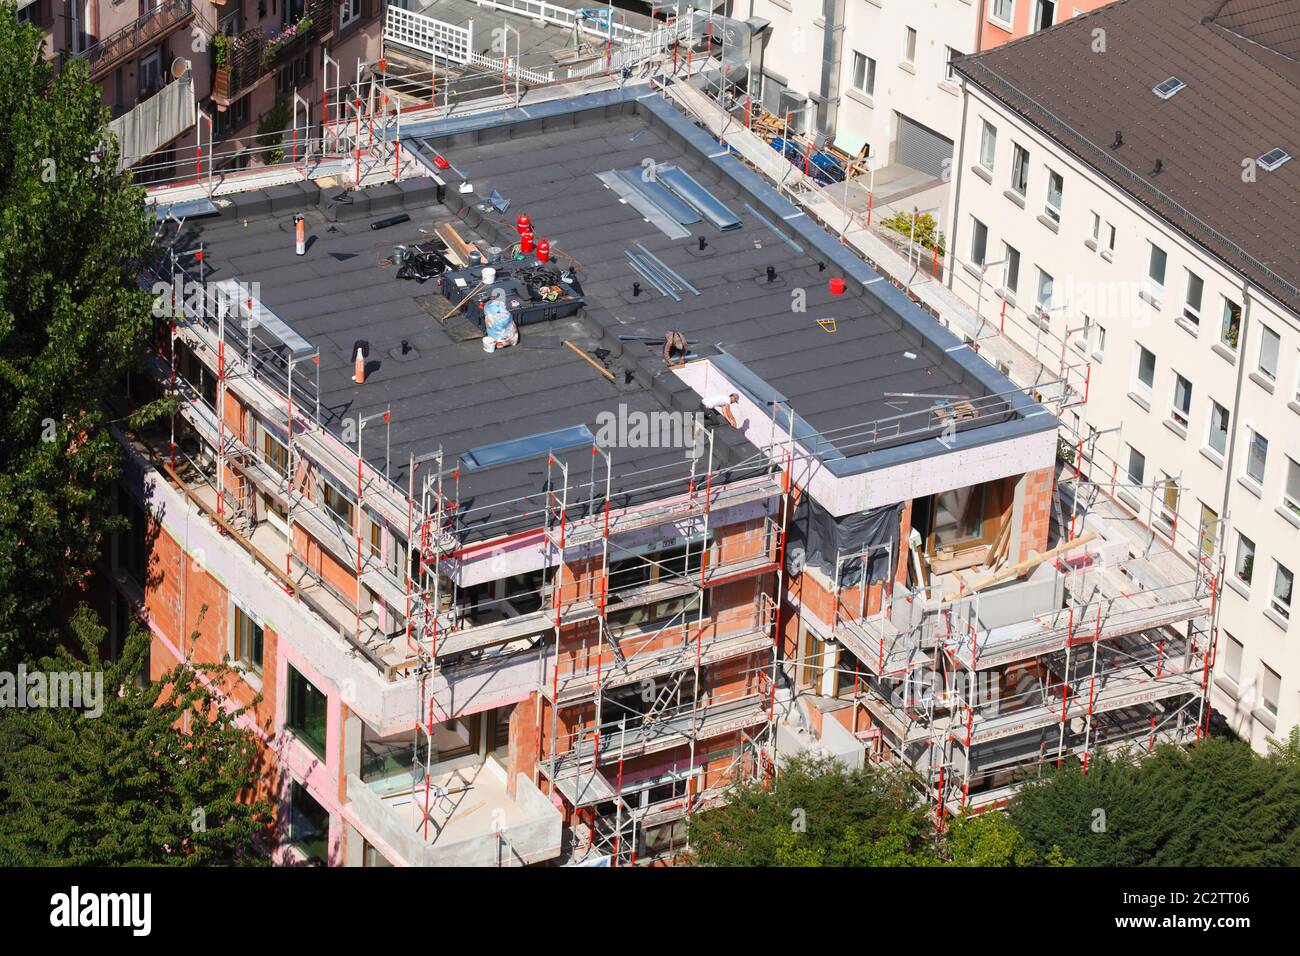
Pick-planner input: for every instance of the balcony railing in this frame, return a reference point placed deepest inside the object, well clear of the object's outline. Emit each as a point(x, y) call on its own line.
point(151, 26)
point(255, 53)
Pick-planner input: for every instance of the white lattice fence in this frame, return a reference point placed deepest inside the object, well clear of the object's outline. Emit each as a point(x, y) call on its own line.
point(428, 35)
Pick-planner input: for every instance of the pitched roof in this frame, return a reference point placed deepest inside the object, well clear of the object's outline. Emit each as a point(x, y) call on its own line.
point(1241, 99)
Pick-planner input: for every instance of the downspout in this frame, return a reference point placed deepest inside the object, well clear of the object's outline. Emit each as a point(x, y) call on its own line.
point(950, 256)
point(832, 52)
point(979, 28)
point(1234, 427)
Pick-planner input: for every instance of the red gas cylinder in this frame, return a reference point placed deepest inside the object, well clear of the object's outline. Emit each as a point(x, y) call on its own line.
point(543, 250)
point(440, 162)
point(526, 243)
point(523, 223)
point(837, 287)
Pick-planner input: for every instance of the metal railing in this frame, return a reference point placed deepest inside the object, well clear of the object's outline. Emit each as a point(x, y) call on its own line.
point(108, 52)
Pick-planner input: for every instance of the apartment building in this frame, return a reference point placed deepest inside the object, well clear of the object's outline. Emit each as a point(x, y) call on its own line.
point(878, 72)
point(1126, 212)
point(177, 72)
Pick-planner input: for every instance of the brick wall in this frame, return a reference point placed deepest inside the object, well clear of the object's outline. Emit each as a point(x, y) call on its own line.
point(1036, 517)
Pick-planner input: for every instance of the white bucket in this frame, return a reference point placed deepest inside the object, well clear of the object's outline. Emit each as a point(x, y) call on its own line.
point(489, 344)
point(489, 275)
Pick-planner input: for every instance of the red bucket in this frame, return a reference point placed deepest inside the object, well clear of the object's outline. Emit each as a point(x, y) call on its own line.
point(837, 287)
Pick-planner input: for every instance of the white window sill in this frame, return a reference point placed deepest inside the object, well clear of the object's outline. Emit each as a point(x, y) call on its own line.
point(1294, 406)
point(1177, 428)
point(1262, 380)
point(858, 96)
point(1149, 299)
point(1000, 24)
point(1276, 618)
point(907, 67)
point(1015, 197)
point(1098, 355)
point(1264, 717)
point(1091, 244)
point(1228, 686)
point(1251, 485)
point(1191, 328)
point(1108, 255)
point(1212, 455)
point(949, 87)
point(1238, 585)
point(1225, 352)
point(1142, 400)
point(1288, 515)
point(1050, 223)
point(982, 173)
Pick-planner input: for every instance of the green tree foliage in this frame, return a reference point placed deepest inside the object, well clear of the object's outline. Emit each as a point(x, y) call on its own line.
point(926, 231)
point(156, 779)
point(816, 813)
point(1215, 804)
point(73, 321)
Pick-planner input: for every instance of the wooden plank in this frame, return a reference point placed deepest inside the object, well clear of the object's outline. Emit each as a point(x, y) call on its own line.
point(1018, 569)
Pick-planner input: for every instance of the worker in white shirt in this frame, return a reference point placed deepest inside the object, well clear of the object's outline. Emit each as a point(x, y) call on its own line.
point(722, 405)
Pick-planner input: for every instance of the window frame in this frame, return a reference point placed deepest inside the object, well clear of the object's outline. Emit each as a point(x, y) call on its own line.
point(1144, 389)
point(1053, 212)
point(1020, 159)
point(1181, 415)
point(989, 144)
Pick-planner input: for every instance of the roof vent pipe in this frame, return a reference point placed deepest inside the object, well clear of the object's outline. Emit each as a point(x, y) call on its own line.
point(1119, 139)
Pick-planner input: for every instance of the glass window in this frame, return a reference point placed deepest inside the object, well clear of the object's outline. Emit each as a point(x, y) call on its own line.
point(1269, 346)
point(1099, 348)
point(1283, 580)
point(1019, 169)
point(1192, 305)
point(338, 503)
point(1209, 529)
point(1156, 267)
point(1270, 689)
point(1011, 269)
point(1219, 423)
point(1146, 370)
point(275, 453)
point(988, 145)
point(1055, 187)
point(814, 651)
point(248, 640)
point(306, 712)
point(1003, 11)
point(1256, 455)
point(309, 824)
point(1045, 288)
point(1243, 566)
point(950, 55)
point(1096, 227)
point(1232, 657)
point(1291, 493)
point(1137, 466)
point(1182, 408)
point(979, 242)
point(1110, 237)
point(909, 54)
point(1231, 330)
point(864, 73)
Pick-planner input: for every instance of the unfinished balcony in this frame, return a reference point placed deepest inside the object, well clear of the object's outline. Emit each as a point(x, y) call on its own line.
point(154, 25)
point(460, 817)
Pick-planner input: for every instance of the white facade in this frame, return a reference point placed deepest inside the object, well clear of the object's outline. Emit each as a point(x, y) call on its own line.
point(881, 72)
point(893, 60)
point(1161, 411)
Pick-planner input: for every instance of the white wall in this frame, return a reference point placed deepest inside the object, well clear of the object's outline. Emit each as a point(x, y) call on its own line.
point(1111, 294)
point(877, 29)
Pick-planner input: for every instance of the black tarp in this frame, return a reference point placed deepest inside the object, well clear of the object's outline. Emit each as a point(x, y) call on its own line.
point(817, 538)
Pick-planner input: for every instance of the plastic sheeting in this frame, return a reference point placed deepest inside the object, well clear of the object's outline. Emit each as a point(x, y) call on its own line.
point(818, 539)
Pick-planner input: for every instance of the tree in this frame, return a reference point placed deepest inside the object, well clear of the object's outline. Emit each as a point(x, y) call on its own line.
point(816, 812)
point(162, 776)
point(1216, 803)
point(73, 322)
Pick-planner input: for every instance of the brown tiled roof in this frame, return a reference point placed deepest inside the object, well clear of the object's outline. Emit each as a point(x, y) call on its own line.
point(1241, 99)
point(1271, 23)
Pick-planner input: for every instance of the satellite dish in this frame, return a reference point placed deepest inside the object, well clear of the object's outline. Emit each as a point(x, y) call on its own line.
point(180, 67)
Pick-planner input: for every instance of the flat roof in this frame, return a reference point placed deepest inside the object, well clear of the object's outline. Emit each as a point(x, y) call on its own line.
point(834, 362)
point(1240, 99)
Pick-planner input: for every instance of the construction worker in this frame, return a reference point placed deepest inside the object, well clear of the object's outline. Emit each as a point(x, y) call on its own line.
point(674, 341)
point(722, 405)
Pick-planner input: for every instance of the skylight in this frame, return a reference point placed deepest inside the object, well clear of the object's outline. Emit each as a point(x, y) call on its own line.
point(1168, 88)
point(530, 447)
point(1274, 158)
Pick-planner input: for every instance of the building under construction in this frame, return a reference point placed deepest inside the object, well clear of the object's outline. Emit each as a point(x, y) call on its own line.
point(544, 602)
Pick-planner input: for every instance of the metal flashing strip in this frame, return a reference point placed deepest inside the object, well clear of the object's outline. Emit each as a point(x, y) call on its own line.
point(642, 204)
point(239, 293)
